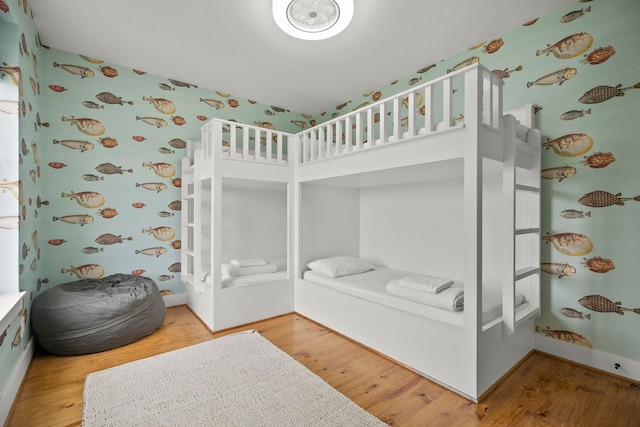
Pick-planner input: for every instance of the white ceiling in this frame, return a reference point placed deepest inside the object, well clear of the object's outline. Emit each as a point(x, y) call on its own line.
point(234, 46)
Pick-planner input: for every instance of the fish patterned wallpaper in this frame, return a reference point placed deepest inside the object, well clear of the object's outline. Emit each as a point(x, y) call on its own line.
point(580, 65)
point(100, 149)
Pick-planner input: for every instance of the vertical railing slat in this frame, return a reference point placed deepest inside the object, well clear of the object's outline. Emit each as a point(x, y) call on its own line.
point(428, 108)
point(358, 131)
point(395, 120)
point(447, 95)
point(382, 124)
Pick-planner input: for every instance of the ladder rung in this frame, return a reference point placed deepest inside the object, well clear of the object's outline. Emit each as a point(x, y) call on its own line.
point(189, 197)
point(189, 252)
point(526, 272)
point(189, 224)
point(521, 231)
point(521, 187)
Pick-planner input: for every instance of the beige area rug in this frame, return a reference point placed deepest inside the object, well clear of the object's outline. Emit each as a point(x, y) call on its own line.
point(237, 380)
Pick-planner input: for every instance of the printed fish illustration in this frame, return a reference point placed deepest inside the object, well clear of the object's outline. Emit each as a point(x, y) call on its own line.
point(165, 170)
point(91, 177)
point(567, 336)
point(599, 160)
point(110, 239)
point(138, 205)
point(559, 173)
point(557, 268)
point(87, 199)
point(92, 60)
point(57, 88)
point(601, 199)
point(15, 73)
point(574, 15)
point(218, 105)
point(573, 214)
point(91, 104)
point(178, 143)
point(138, 271)
point(75, 145)
point(604, 305)
point(165, 214)
point(604, 93)
point(598, 264)
point(165, 86)
point(3, 335)
point(164, 150)
point(569, 47)
point(86, 271)
point(465, 63)
point(574, 114)
point(176, 244)
point(17, 338)
point(25, 250)
point(165, 292)
point(223, 95)
point(265, 125)
point(153, 186)
point(108, 71)
point(163, 233)
point(110, 98)
point(178, 120)
point(493, 46)
point(176, 205)
point(110, 169)
point(75, 219)
point(108, 213)
point(599, 55)
point(164, 277)
point(176, 267)
point(155, 251)
point(91, 250)
point(56, 242)
point(181, 84)
point(153, 121)
point(233, 103)
point(86, 125)
point(12, 187)
point(569, 145)
point(573, 244)
point(76, 69)
point(504, 74)
point(161, 104)
point(574, 314)
point(300, 124)
point(558, 77)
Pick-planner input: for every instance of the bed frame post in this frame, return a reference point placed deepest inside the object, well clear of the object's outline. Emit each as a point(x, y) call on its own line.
point(473, 179)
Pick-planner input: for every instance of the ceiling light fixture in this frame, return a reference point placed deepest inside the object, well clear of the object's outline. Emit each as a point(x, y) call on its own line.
point(312, 19)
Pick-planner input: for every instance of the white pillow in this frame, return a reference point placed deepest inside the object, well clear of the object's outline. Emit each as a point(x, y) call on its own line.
point(340, 266)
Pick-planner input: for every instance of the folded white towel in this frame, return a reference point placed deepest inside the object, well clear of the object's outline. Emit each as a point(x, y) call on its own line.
point(233, 271)
point(451, 298)
point(423, 283)
point(251, 262)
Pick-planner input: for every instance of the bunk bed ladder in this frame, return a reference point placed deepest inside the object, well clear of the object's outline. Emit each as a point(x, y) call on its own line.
point(521, 187)
point(191, 193)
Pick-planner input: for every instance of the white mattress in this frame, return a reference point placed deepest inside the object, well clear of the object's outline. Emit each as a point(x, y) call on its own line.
point(371, 286)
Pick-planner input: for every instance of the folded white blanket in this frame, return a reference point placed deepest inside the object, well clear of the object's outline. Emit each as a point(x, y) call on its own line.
point(451, 298)
point(251, 262)
point(233, 271)
point(423, 283)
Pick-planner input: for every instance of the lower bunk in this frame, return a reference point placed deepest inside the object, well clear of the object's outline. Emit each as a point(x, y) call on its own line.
point(431, 340)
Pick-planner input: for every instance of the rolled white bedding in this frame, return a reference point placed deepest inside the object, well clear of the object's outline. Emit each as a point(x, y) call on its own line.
point(234, 271)
point(451, 298)
point(423, 283)
point(251, 262)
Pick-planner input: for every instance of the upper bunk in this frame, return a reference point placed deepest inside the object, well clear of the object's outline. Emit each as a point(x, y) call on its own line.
point(459, 115)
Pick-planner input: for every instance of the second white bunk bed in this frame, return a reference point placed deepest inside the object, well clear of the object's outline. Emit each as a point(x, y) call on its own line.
point(236, 210)
point(449, 191)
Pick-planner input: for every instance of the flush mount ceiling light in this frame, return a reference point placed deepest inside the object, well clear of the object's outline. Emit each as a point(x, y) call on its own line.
point(312, 19)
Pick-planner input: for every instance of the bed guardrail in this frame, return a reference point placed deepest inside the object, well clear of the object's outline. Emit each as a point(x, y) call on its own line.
point(239, 141)
point(432, 107)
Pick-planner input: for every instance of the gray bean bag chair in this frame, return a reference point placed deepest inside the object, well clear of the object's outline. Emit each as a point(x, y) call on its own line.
point(92, 315)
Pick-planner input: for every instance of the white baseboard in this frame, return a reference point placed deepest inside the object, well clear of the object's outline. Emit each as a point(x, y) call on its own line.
point(585, 356)
point(176, 299)
point(15, 381)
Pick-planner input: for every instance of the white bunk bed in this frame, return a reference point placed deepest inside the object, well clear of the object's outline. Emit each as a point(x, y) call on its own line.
point(235, 206)
point(474, 219)
point(468, 180)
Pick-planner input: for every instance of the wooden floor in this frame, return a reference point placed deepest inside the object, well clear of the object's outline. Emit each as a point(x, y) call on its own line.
point(542, 391)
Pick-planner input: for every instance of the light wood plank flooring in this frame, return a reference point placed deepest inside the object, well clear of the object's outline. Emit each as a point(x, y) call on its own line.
point(542, 391)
